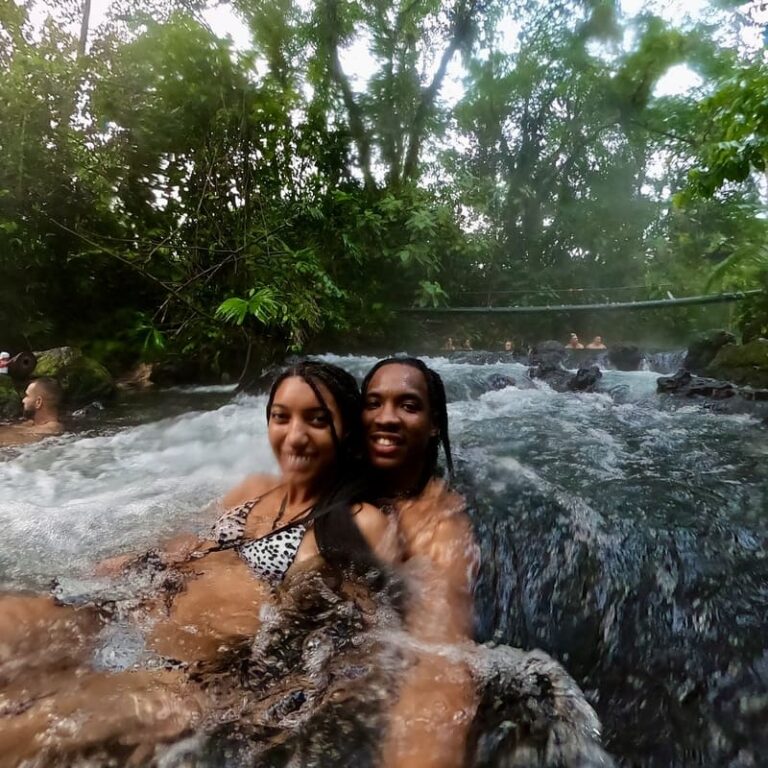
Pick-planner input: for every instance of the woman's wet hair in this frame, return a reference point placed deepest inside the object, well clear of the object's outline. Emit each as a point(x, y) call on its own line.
point(438, 406)
point(338, 537)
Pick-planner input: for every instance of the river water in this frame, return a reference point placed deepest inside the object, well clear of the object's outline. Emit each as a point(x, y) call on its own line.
point(621, 533)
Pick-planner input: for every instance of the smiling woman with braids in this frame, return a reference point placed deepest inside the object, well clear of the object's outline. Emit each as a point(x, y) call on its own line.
point(405, 419)
point(309, 517)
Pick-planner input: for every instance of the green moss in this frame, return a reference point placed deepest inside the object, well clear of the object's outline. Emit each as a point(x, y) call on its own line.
point(82, 378)
point(10, 400)
point(704, 348)
point(742, 364)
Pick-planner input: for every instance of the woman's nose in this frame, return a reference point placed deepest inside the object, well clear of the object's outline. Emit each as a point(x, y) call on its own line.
point(297, 433)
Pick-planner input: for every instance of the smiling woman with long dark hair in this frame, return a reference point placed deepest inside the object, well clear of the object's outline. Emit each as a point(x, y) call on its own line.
point(211, 592)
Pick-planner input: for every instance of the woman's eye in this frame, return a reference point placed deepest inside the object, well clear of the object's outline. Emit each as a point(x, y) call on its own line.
point(319, 421)
point(371, 404)
point(277, 416)
point(411, 406)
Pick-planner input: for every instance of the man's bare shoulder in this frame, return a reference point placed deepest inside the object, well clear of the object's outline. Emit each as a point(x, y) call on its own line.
point(252, 487)
point(49, 428)
point(18, 434)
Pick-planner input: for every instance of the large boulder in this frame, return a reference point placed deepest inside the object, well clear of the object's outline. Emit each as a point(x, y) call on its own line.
point(10, 400)
point(548, 354)
point(742, 364)
point(625, 357)
point(704, 348)
point(82, 378)
point(585, 379)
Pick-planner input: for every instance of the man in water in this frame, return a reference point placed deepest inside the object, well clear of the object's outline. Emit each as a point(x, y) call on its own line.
point(405, 420)
point(509, 346)
point(574, 343)
point(41, 404)
point(596, 343)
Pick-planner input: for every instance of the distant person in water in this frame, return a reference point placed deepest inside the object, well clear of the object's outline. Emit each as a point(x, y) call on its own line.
point(449, 345)
point(574, 343)
point(467, 345)
point(41, 404)
point(596, 343)
point(509, 346)
point(405, 419)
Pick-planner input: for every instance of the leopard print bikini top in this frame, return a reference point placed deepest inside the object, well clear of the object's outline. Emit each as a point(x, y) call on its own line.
point(269, 556)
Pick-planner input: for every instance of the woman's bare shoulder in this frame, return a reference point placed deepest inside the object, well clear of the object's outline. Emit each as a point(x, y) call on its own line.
point(252, 487)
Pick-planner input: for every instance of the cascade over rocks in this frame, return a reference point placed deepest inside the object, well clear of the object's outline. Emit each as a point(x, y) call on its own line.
point(82, 378)
point(704, 347)
point(662, 624)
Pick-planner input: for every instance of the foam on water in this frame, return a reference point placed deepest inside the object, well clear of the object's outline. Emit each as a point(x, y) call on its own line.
point(69, 501)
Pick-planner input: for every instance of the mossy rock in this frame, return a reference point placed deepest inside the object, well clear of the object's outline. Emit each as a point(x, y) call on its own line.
point(10, 400)
point(704, 348)
point(742, 364)
point(82, 378)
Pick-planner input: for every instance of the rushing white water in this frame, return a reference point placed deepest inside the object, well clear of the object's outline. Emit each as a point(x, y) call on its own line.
point(68, 501)
point(625, 533)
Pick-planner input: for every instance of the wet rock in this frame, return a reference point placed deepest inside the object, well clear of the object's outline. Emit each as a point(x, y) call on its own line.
point(661, 623)
point(561, 380)
point(557, 378)
point(82, 378)
point(498, 381)
point(10, 400)
point(704, 347)
point(88, 411)
point(742, 364)
point(548, 355)
point(625, 357)
point(585, 379)
point(686, 384)
point(139, 377)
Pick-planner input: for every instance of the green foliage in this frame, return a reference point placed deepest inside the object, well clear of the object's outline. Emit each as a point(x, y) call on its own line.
point(191, 199)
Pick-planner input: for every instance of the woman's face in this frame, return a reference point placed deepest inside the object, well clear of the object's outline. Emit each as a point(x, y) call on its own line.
point(397, 418)
point(299, 430)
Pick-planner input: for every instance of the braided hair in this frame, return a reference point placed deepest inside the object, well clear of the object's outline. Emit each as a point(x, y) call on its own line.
point(438, 407)
point(339, 540)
